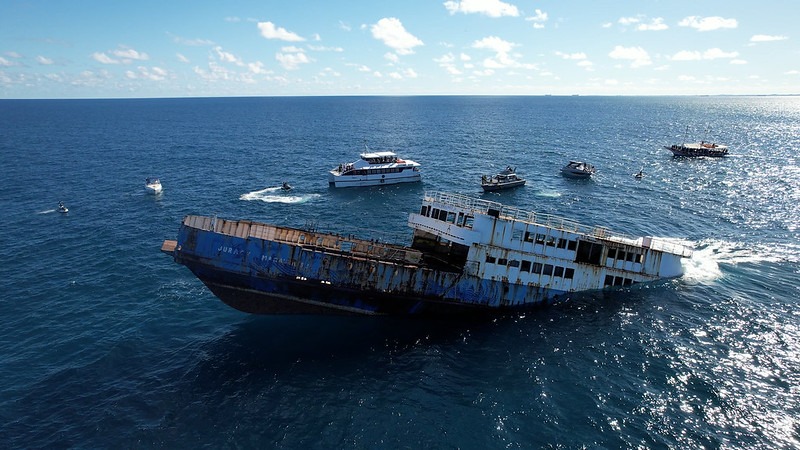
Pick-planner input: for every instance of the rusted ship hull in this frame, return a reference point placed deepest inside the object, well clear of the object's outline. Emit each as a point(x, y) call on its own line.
point(263, 276)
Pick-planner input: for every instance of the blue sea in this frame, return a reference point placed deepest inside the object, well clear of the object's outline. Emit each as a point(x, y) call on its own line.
point(107, 343)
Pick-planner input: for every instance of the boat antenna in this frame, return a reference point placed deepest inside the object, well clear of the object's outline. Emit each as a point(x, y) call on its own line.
point(366, 148)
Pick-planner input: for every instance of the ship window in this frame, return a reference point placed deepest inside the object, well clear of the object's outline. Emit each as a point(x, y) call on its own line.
point(589, 253)
point(460, 221)
point(513, 263)
point(620, 255)
point(540, 238)
point(562, 243)
point(516, 235)
point(609, 281)
point(442, 215)
point(548, 269)
point(618, 281)
point(502, 261)
point(451, 217)
point(435, 213)
point(468, 221)
point(528, 236)
point(569, 272)
point(558, 271)
point(627, 282)
point(424, 210)
point(490, 259)
point(638, 258)
point(551, 241)
point(629, 257)
point(612, 253)
point(572, 245)
point(537, 268)
point(526, 266)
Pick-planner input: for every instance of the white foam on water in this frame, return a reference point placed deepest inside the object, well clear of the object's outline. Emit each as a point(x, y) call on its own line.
point(277, 195)
point(704, 265)
point(47, 211)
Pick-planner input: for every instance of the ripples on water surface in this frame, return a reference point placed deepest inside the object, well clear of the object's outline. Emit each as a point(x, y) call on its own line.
point(107, 343)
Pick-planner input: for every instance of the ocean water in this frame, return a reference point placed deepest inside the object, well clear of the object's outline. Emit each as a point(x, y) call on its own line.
point(107, 343)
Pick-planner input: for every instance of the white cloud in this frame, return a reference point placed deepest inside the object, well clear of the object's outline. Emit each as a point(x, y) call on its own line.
point(767, 38)
point(227, 57)
point(503, 58)
point(637, 55)
point(686, 55)
point(291, 58)
point(656, 24)
point(708, 23)
point(391, 31)
point(448, 62)
point(270, 31)
point(127, 54)
point(792, 72)
point(391, 57)
point(715, 53)
point(495, 44)
point(182, 58)
point(712, 53)
point(628, 20)
point(143, 73)
point(257, 68)
point(102, 58)
point(491, 8)
point(738, 61)
point(44, 60)
point(6, 63)
point(538, 19)
point(319, 48)
point(571, 55)
point(344, 26)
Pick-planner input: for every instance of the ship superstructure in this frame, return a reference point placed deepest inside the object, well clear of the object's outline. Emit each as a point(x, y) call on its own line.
point(467, 255)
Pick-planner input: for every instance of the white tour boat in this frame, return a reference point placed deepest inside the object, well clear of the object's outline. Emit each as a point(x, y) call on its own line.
point(152, 185)
point(374, 169)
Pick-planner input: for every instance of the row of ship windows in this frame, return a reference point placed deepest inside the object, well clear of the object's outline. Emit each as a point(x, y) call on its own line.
point(622, 255)
point(373, 171)
point(617, 281)
point(461, 220)
point(534, 267)
point(544, 239)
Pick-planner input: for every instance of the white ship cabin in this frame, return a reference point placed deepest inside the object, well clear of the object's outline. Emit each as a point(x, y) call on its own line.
point(501, 243)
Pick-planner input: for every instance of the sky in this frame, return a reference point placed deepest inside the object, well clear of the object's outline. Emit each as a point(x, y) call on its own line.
point(181, 48)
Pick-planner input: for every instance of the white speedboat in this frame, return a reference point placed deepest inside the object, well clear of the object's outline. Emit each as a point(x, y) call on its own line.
point(286, 186)
point(375, 169)
point(578, 169)
point(62, 209)
point(506, 179)
point(152, 185)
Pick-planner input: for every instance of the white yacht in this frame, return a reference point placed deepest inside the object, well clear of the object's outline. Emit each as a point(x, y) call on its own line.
point(375, 169)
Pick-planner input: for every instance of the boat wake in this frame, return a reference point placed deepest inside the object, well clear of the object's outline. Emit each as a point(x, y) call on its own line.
point(47, 211)
point(709, 255)
point(277, 195)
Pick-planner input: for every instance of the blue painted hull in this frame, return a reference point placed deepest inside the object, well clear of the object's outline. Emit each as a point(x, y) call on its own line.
point(262, 276)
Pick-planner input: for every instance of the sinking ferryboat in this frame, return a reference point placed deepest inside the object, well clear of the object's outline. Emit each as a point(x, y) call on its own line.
point(467, 255)
point(375, 169)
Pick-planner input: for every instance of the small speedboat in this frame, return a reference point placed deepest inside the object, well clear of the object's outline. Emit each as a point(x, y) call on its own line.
point(62, 209)
point(578, 169)
point(505, 179)
point(639, 175)
point(286, 186)
point(152, 185)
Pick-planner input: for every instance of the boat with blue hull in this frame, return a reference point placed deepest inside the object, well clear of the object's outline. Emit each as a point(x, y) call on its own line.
point(467, 255)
